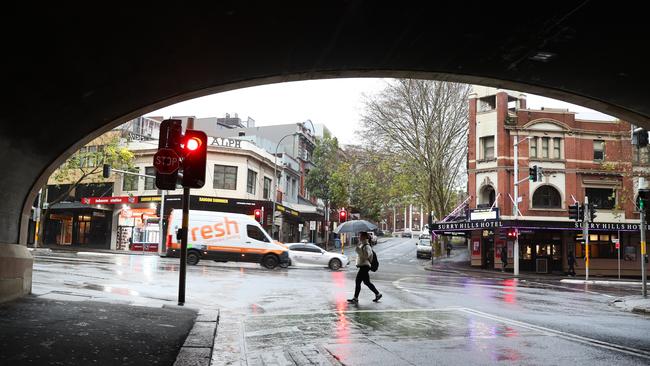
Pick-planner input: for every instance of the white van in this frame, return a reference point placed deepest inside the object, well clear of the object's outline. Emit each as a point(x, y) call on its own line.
point(223, 237)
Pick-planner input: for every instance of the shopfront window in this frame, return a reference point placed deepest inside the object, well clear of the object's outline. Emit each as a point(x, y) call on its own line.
point(600, 246)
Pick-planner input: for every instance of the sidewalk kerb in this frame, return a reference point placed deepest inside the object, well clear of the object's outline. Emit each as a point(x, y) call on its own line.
point(199, 344)
point(601, 282)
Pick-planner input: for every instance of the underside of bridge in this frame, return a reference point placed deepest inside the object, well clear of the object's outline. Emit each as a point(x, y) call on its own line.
point(71, 73)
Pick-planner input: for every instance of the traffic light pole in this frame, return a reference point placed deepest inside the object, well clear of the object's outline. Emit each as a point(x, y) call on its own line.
point(181, 277)
point(643, 254)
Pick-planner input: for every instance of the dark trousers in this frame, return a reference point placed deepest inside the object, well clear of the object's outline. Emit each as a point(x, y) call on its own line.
point(572, 270)
point(363, 276)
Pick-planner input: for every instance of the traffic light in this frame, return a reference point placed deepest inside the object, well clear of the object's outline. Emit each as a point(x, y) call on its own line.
point(106, 172)
point(194, 145)
point(258, 216)
point(576, 212)
point(171, 132)
point(343, 216)
point(532, 173)
point(512, 234)
point(592, 212)
point(643, 199)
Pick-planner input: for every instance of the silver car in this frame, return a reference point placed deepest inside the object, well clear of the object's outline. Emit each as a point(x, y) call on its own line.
point(423, 249)
point(308, 254)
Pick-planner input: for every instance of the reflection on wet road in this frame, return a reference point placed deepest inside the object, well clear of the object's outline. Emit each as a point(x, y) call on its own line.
point(301, 316)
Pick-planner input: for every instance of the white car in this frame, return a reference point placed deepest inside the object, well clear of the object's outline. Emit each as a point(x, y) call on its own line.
point(309, 254)
point(423, 249)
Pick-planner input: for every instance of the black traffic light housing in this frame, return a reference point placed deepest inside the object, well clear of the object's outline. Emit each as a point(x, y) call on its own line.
point(576, 212)
point(171, 132)
point(643, 199)
point(511, 234)
point(106, 171)
point(592, 212)
point(343, 216)
point(532, 173)
point(194, 145)
point(258, 216)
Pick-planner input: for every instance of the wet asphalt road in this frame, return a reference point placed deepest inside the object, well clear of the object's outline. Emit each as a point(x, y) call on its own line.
point(301, 316)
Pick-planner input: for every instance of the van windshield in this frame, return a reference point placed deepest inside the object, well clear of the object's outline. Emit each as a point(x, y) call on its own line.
point(254, 232)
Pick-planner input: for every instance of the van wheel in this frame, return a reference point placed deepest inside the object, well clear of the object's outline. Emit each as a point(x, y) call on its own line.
point(335, 264)
point(270, 261)
point(193, 258)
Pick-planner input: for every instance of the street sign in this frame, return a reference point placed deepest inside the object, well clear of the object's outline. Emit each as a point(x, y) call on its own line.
point(166, 161)
point(618, 245)
point(312, 225)
point(615, 241)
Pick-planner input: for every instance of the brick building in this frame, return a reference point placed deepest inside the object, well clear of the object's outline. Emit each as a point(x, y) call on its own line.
point(578, 157)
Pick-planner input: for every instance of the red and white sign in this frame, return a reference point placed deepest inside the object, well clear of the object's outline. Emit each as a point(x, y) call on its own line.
point(166, 161)
point(109, 200)
point(618, 245)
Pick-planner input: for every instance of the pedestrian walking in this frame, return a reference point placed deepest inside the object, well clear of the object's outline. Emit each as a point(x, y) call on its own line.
point(504, 258)
point(448, 249)
point(364, 259)
point(571, 260)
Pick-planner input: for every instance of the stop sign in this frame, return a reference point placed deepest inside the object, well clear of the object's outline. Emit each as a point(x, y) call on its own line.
point(166, 161)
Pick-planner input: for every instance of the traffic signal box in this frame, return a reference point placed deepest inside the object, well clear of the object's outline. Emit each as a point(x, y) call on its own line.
point(195, 145)
point(258, 216)
point(511, 234)
point(535, 173)
point(343, 216)
point(643, 199)
point(592, 212)
point(576, 212)
point(191, 149)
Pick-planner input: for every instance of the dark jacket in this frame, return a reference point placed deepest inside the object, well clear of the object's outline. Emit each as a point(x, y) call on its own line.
point(504, 254)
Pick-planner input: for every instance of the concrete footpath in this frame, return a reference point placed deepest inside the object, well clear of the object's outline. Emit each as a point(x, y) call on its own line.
point(35, 331)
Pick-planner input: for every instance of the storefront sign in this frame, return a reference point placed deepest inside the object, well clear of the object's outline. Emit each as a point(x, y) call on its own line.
point(484, 214)
point(459, 226)
point(150, 199)
point(226, 142)
point(213, 200)
point(109, 200)
point(610, 226)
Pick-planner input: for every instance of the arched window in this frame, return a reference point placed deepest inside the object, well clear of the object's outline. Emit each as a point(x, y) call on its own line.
point(487, 196)
point(547, 197)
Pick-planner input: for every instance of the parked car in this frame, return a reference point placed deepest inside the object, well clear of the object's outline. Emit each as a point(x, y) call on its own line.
point(423, 246)
point(407, 234)
point(309, 254)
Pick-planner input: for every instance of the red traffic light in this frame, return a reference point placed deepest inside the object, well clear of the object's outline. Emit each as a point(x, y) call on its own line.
point(343, 215)
point(193, 143)
point(258, 215)
point(512, 233)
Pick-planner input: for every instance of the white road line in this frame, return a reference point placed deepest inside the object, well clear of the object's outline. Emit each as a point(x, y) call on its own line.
point(568, 336)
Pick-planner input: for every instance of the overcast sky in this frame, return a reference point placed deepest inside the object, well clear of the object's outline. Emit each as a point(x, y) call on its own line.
point(336, 103)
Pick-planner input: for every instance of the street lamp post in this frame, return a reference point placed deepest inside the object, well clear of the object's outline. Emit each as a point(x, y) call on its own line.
point(275, 177)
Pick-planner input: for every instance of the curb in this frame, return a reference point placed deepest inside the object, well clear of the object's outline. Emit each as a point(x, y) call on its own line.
point(641, 310)
point(599, 282)
point(199, 344)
